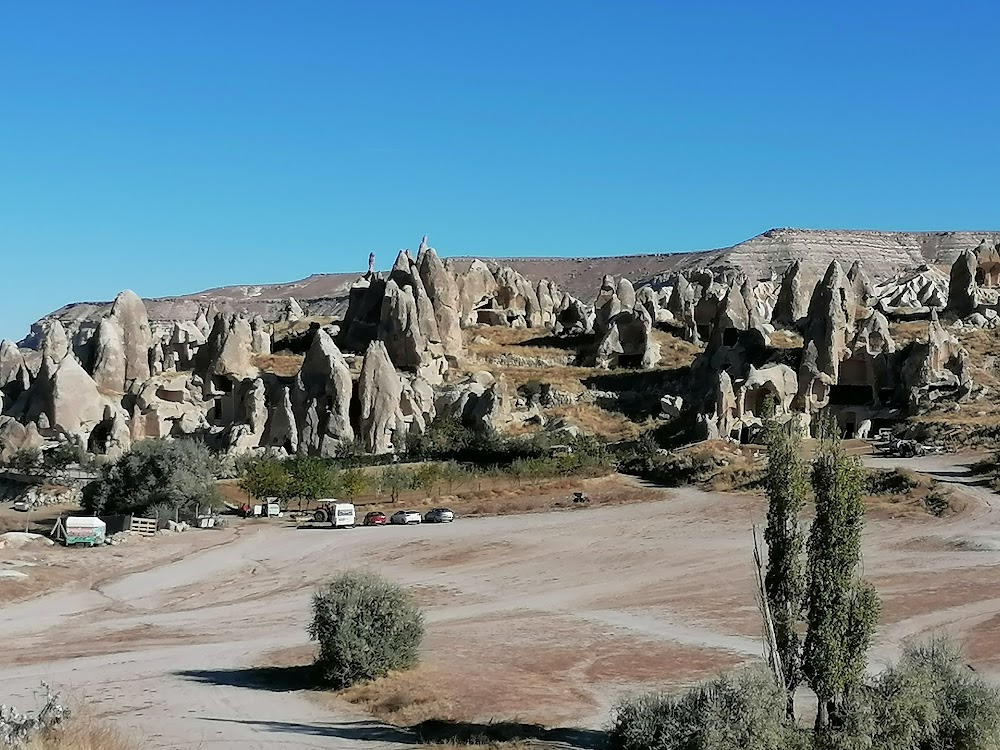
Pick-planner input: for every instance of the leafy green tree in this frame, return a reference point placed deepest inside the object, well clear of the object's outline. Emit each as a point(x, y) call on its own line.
point(354, 482)
point(427, 477)
point(841, 611)
point(366, 627)
point(784, 584)
point(393, 481)
point(179, 474)
point(452, 474)
point(62, 456)
point(25, 460)
point(310, 479)
point(266, 478)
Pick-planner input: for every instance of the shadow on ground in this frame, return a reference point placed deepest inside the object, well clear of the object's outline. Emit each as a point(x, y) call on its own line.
point(437, 732)
point(434, 731)
point(274, 679)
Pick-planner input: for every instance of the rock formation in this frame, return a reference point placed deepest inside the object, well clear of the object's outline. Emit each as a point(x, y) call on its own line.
point(379, 391)
point(322, 398)
point(962, 290)
point(794, 295)
point(443, 291)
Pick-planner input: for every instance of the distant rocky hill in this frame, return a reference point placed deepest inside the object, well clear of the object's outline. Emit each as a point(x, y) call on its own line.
point(882, 254)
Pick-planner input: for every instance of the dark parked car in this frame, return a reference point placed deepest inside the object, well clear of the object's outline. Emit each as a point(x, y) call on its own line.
point(439, 515)
point(375, 518)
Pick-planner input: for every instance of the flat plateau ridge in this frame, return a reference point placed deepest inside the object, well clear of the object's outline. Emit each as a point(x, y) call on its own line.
point(882, 254)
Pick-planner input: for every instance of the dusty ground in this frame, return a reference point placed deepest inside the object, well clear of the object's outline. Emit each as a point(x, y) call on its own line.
point(546, 617)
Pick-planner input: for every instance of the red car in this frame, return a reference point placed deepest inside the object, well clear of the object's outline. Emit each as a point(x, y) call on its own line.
point(375, 518)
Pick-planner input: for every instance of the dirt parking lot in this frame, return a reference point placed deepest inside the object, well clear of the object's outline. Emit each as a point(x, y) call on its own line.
point(545, 617)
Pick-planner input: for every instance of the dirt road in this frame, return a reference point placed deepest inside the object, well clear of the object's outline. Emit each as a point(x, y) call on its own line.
point(544, 617)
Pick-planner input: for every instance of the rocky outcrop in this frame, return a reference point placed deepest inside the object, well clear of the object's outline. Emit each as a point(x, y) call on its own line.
point(861, 284)
point(606, 306)
point(481, 402)
point(830, 321)
point(399, 327)
point(55, 343)
point(962, 289)
point(628, 341)
point(174, 404)
point(444, 294)
point(75, 404)
point(477, 288)
point(379, 392)
point(129, 313)
point(229, 350)
point(15, 437)
point(914, 291)
point(794, 295)
point(683, 301)
point(247, 433)
point(322, 398)
point(937, 369)
point(110, 363)
point(280, 432)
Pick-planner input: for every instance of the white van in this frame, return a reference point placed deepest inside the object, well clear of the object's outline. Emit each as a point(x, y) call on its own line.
point(335, 513)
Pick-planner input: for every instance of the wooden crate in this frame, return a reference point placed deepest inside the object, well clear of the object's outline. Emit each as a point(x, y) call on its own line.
point(144, 526)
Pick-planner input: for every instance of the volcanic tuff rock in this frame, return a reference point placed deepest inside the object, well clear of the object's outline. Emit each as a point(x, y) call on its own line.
point(129, 313)
point(962, 292)
point(322, 398)
point(379, 391)
point(443, 290)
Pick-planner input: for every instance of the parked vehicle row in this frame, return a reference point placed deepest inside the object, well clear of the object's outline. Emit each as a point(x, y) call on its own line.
point(345, 515)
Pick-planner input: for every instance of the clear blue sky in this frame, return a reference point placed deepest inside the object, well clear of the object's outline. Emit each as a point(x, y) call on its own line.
point(173, 146)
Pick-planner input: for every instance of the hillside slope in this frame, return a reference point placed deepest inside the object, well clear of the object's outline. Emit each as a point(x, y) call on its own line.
point(882, 253)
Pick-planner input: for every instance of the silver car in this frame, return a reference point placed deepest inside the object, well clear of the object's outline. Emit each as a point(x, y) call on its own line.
point(439, 515)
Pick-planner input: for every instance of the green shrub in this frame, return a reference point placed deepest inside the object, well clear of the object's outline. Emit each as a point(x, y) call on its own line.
point(366, 627)
point(890, 482)
point(740, 711)
point(931, 699)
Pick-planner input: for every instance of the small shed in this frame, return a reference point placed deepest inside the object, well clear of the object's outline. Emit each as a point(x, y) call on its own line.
point(88, 530)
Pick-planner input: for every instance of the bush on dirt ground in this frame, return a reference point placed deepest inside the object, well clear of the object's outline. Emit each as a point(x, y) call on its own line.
point(890, 481)
point(366, 627)
point(168, 477)
point(929, 700)
point(740, 711)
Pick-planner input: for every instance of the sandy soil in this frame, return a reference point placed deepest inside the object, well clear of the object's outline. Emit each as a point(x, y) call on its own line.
point(546, 617)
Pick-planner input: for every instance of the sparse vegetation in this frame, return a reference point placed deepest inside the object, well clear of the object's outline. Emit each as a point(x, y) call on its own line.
point(55, 726)
point(365, 627)
point(928, 700)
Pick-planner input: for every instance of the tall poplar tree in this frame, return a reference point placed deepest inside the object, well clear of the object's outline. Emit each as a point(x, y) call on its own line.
point(784, 584)
point(841, 610)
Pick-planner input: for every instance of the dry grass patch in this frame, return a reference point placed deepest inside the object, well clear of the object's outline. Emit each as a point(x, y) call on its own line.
point(674, 351)
point(594, 420)
point(85, 733)
point(285, 328)
point(282, 365)
point(910, 330)
point(563, 377)
point(784, 339)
